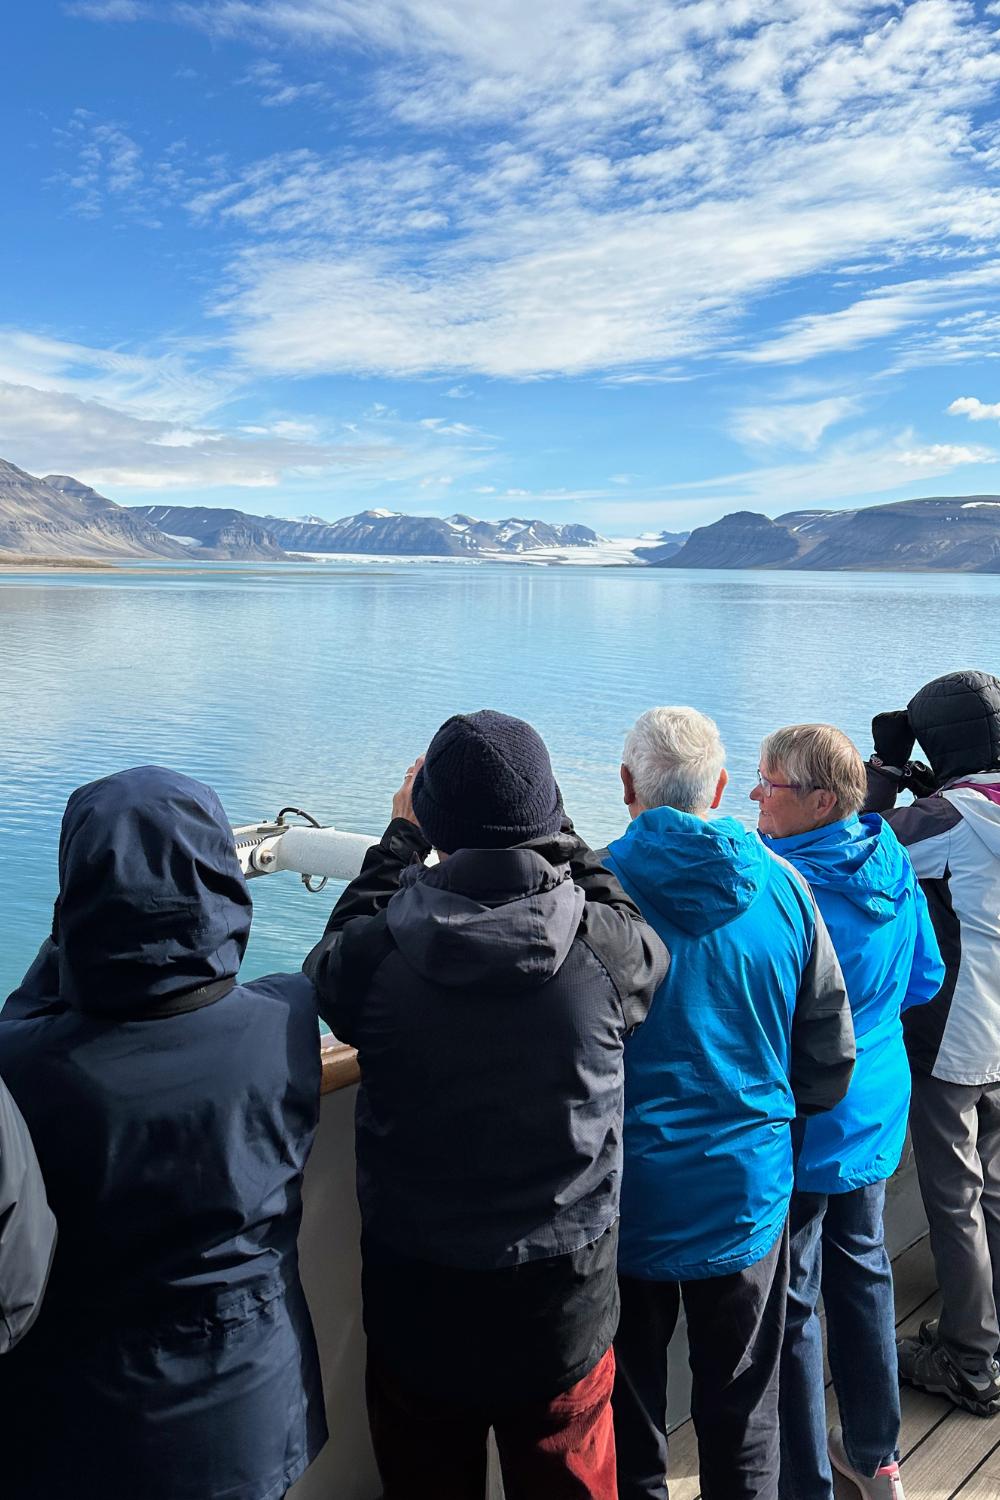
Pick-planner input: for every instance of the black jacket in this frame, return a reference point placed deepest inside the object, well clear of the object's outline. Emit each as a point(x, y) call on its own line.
point(172, 1110)
point(488, 998)
point(27, 1227)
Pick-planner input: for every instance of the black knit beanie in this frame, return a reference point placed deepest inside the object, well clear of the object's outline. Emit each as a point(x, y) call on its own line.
point(486, 783)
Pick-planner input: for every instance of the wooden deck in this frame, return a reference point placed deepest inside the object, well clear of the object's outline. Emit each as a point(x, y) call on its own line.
point(947, 1453)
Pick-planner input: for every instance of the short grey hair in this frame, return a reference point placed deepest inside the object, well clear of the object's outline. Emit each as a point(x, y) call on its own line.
point(675, 756)
point(818, 757)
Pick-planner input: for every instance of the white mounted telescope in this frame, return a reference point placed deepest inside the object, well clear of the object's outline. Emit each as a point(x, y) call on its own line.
point(312, 851)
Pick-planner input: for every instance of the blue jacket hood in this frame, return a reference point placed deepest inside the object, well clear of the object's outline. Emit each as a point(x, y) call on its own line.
point(152, 902)
point(696, 874)
point(859, 858)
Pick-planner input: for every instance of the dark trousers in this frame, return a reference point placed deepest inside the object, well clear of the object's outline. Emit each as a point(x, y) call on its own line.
point(735, 1325)
point(561, 1449)
point(956, 1144)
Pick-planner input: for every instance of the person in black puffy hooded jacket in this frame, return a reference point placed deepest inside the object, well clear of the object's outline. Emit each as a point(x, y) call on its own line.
point(172, 1110)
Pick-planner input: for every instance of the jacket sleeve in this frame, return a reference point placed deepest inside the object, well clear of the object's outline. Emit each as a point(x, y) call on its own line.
point(38, 992)
point(883, 789)
point(616, 931)
point(27, 1228)
point(356, 936)
point(927, 970)
point(822, 1029)
point(924, 829)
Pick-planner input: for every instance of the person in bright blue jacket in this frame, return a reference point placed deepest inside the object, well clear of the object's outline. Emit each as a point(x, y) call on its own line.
point(172, 1109)
point(810, 786)
point(750, 1028)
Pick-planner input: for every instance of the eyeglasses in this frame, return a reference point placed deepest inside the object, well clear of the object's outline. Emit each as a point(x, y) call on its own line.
point(767, 787)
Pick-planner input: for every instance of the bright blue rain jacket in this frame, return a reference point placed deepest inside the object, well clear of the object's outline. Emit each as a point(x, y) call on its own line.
point(172, 1110)
point(877, 917)
point(709, 1097)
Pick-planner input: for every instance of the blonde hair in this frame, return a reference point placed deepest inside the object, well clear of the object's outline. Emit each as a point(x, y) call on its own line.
point(818, 757)
point(675, 756)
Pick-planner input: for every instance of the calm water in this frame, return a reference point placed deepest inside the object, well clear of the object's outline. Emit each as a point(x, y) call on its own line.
point(318, 688)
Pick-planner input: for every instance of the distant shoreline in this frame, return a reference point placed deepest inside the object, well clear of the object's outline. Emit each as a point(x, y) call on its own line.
point(22, 564)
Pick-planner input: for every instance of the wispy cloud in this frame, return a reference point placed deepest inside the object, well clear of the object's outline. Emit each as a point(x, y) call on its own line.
point(275, 90)
point(46, 431)
point(657, 177)
point(864, 465)
point(160, 421)
point(796, 424)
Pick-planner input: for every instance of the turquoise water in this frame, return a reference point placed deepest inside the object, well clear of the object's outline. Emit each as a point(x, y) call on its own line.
point(317, 687)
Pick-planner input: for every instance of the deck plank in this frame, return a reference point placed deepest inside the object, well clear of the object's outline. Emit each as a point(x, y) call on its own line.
point(939, 1466)
point(984, 1483)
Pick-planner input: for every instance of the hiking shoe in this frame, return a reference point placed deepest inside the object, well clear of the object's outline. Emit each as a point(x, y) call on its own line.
point(927, 1364)
point(885, 1485)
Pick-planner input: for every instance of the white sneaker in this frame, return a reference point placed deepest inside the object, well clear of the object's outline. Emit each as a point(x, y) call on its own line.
point(885, 1485)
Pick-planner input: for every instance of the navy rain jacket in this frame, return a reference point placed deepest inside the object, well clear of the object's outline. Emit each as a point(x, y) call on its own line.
point(172, 1111)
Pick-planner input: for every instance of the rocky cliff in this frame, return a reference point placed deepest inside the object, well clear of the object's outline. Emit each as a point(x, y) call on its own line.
point(59, 517)
point(742, 540)
point(215, 533)
point(943, 533)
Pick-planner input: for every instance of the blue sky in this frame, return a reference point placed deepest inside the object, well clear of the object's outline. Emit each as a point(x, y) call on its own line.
point(629, 263)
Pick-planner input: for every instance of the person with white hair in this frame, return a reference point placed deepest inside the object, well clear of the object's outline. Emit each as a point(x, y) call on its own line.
point(809, 792)
point(750, 1028)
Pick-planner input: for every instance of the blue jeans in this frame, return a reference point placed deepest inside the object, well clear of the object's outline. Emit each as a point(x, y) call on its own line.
point(837, 1245)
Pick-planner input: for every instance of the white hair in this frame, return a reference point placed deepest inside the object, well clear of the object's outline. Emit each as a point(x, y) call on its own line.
point(675, 756)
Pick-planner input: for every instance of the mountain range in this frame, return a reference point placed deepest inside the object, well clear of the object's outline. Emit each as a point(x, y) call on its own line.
point(957, 533)
point(59, 517)
point(375, 532)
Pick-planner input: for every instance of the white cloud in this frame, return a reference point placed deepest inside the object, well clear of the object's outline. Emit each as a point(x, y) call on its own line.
point(168, 386)
point(648, 176)
point(866, 464)
point(797, 424)
point(975, 410)
point(443, 428)
point(934, 455)
point(157, 421)
point(274, 89)
point(50, 431)
point(882, 311)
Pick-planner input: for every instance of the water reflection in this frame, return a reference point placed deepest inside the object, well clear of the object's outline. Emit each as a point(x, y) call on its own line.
point(317, 686)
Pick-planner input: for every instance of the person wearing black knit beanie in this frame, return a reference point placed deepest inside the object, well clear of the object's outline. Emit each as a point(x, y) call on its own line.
point(485, 783)
point(488, 997)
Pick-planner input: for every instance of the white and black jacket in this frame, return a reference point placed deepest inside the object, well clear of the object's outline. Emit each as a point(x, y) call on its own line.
point(953, 840)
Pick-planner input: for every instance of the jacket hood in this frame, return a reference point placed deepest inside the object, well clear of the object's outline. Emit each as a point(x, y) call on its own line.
point(859, 857)
point(956, 718)
point(977, 798)
point(697, 874)
point(152, 903)
point(494, 919)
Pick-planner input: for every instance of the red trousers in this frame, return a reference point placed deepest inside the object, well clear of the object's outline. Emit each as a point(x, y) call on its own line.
point(562, 1449)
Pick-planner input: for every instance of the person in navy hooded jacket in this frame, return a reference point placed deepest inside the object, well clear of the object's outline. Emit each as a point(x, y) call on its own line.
point(172, 1109)
point(750, 1028)
point(810, 787)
